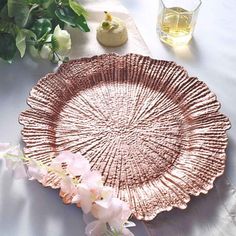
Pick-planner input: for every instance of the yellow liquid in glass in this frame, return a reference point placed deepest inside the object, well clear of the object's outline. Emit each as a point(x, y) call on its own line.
point(175, 26)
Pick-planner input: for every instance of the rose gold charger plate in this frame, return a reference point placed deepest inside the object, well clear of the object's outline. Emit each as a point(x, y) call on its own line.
point(155, 133)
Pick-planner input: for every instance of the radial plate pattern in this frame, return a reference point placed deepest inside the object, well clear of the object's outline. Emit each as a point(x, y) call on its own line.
point(153, 132)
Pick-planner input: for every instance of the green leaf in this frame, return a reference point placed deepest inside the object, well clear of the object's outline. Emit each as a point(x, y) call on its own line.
point(42, 27)
point(7, 46)
point(77, 8)
point(4, 13)
point(8, 27)
point(16, 7)
point(67, 15)
point(21, 37)
point(29, 34)
point(65, 2)
point(47, 3)
point(20, 10)
point(2, 3)
point(37, 1)
point(20, 42)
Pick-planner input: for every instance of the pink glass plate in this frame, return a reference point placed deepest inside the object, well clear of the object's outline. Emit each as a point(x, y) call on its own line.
point(154, 133)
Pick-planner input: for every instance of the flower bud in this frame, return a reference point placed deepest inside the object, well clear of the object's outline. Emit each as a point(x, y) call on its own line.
point(63, 40)
point(46, 52)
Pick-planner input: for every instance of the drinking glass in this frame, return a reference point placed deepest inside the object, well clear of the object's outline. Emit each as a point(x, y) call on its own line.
point(176, 20)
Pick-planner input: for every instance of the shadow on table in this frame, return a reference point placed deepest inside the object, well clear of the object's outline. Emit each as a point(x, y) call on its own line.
point(35, 210)
point(11, 205)
point(189, 53)
point(49, 216)
point(205, 215)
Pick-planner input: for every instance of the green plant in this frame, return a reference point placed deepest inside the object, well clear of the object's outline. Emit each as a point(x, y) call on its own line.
point(32, 23)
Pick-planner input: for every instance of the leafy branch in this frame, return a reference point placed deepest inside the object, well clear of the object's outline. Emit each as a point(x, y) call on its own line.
point(29, 23)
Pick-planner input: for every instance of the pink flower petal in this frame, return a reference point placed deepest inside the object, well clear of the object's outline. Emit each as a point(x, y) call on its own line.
point(76, 199)
point(126, 212)
point(83, 190)
point(88, 218)
point(67, 185)
point(79, 166)
point(114, 211)
point(56, 165)
point(103, 204)
point(85, 198)
point(121, 214)
point(101, 207)
point(12, 151)
point(129, 224)
point(20, 171)
point(126, 232)
point(17, 166)
point(85, 206)
point(100, 212)
point(80, 156)
point(116, 206)
point(107, 192)
point(65, 156)
point(104, 211)
point(93, 179)
point(35, 171)
point(95, 228)
point(15, 151)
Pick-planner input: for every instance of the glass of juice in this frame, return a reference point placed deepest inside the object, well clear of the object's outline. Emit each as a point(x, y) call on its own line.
point(176, 20)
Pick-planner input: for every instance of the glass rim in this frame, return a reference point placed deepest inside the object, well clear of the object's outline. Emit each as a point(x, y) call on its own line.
point(195, 9)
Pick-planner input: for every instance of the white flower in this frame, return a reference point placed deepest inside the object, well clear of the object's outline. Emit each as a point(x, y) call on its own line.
point(63, 40)
point(120, 216)
point(92, 179)
point(88, 218)
point(46, 51)
point(95, 228)
point(85, 197)
point(114, 212)
point(67, 186)
point(17, 166)
point(13, 160)
point(77, 165)
point(90, 190)
point(98, 228)
point(35, 171)
point(107, 211)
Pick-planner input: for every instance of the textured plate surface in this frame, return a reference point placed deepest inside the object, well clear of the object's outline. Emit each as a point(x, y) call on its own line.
point(153, 132)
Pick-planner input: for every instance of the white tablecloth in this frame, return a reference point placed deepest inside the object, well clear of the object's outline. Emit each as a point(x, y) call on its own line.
point(30, 210)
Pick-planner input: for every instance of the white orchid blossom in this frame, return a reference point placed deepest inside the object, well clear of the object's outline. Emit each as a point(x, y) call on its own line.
point(105, 213)
point(11, 155)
